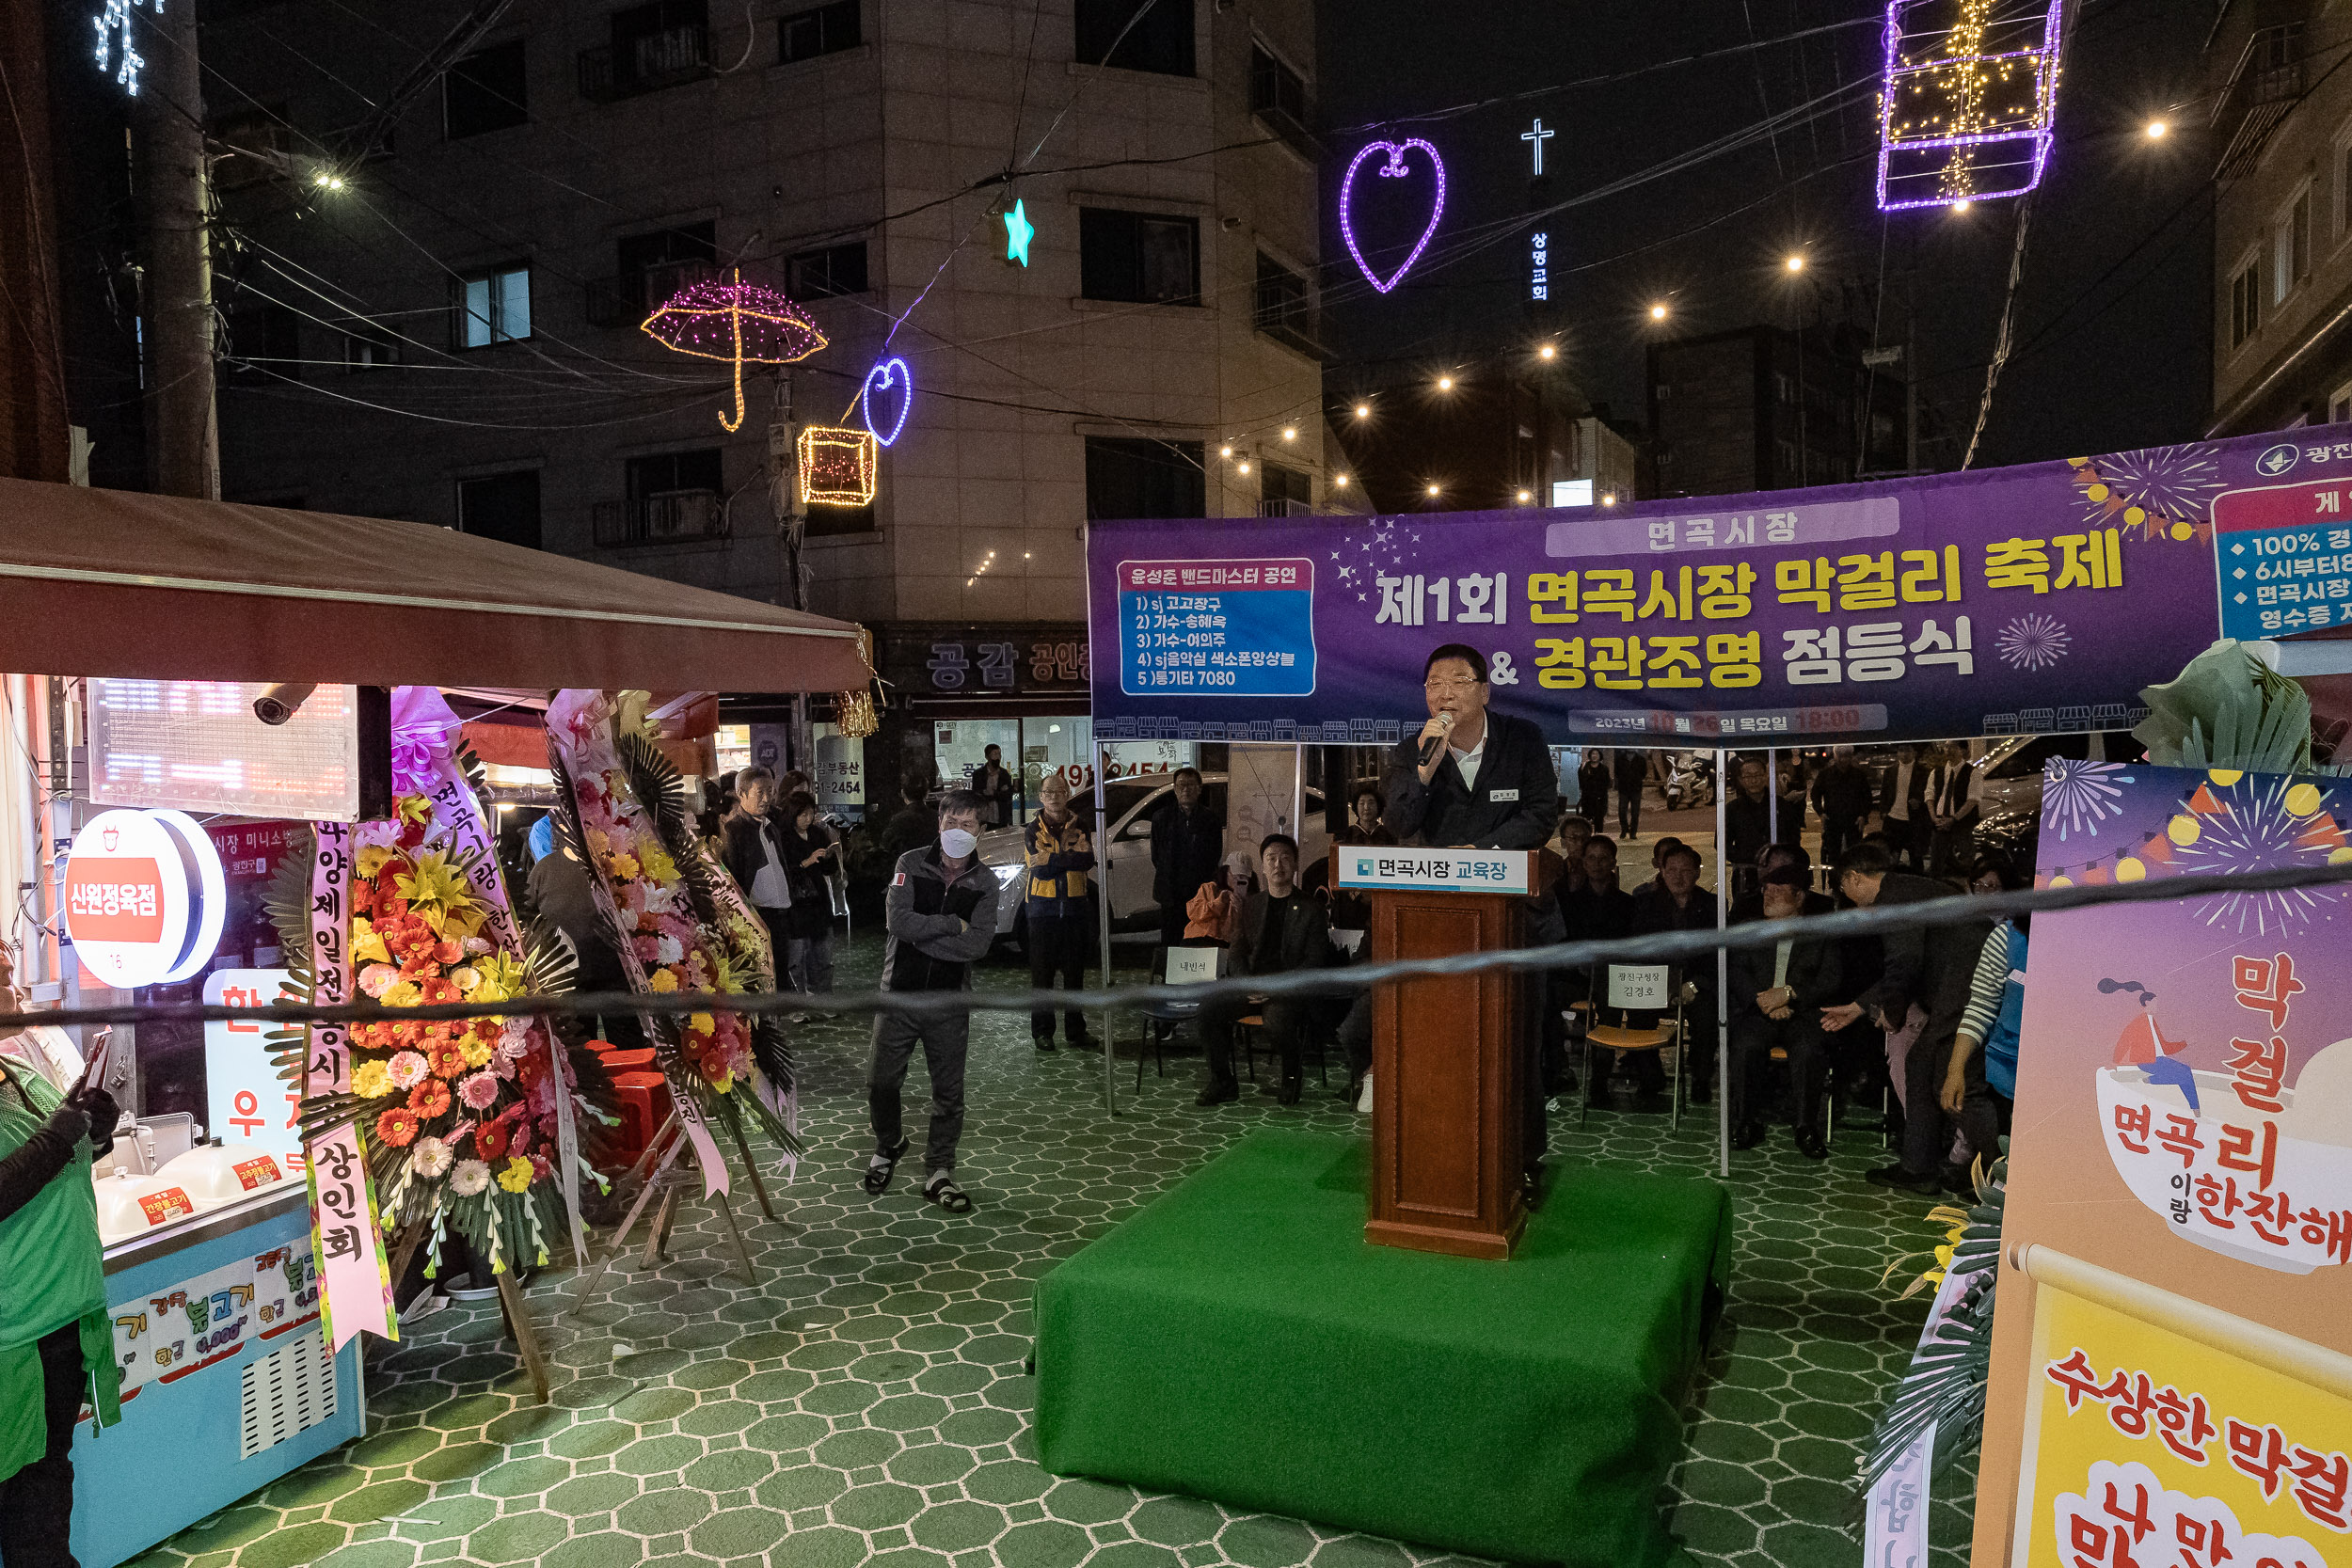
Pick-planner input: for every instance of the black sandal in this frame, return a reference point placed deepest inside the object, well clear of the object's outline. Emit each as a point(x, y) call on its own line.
point(883, 1166)
point(942, 1189)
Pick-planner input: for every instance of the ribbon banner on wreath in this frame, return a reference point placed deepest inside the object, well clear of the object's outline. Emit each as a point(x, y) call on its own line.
point(355, 1279)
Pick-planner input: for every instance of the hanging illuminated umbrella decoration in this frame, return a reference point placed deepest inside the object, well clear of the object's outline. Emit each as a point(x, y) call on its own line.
point(735, 321)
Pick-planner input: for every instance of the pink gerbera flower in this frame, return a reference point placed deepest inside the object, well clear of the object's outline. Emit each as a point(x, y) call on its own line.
point(407, 1069)
point(480, 1090)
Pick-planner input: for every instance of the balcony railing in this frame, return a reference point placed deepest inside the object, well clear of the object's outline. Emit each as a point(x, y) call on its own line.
point(666, 518)
point(1284, 313)
point(1285, 508)
point(2267, 82)
point(1292, 128)
point(625, 300)
point(645, 64)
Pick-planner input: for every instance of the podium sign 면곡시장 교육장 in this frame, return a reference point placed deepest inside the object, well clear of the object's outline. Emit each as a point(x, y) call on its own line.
point(1447, 1060)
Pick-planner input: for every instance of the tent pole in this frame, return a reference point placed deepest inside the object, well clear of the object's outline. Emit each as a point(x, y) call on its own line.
point(1723, 974)
point(1103, 905)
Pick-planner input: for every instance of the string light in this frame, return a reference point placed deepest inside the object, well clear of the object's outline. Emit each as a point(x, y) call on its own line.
point(1963, 205)
point(1393, 169)
point(1966, 110)
point(735, 321)
point(891, 372)
point(1794, 263)
point(1290, 433)
point(2156, 128)
point(837, 465)
point(1445, 384)
point(1245, 464)
point(1363, 411)
point(1525, 496)
point(1658, 312)
point(1339, 481)
point(327, 180)
point(1547, 352)
point(1610, 499)
point(115, 17)
point(1433, 490)
point(1226, 450)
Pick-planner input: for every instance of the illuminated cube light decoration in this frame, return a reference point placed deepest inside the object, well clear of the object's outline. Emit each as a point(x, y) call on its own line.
point(1968, 100)
point(837, 465)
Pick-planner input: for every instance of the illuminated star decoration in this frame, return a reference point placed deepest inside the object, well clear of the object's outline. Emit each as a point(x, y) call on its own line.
point(734, 321)
point(2159, 492)
point(890, 372)
point(1019, 232)
point(1967, 101)
point(116, 18)
point(1393, 169)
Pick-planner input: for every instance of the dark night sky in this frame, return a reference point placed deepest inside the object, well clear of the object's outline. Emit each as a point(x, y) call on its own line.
point(2113, 319)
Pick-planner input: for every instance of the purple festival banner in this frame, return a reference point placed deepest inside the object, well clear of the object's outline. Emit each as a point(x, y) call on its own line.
point(2021, 600)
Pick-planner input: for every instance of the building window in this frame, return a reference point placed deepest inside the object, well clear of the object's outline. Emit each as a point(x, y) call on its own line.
point(2291, 246)
point(1277, 95)
point(653, 46)
point(650, 268)
point(484, 91)
point(504, 507)
point(1285, 306)
point(494, 307)
point(368, 347)
point(1138, 257)
point(2246, 301)
point(1110, 32)
point(838, 269)
point(821, 30)
point(1284, 492)
point(672, 498)
point(1127, 478)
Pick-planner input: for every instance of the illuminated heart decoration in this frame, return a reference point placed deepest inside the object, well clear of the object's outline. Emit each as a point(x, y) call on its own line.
point(1393, 169)
point(889, 373)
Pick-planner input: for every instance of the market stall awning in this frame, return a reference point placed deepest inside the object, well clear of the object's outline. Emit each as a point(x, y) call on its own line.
point(105, 582)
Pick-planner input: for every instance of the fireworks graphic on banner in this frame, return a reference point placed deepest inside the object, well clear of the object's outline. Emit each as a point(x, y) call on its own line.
point(2032, 642)
point(2160, 492)
point(2239, 822)
point(2076, 796)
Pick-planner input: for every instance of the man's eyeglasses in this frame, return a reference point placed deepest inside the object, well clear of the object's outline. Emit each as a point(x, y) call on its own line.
point(1445, 687)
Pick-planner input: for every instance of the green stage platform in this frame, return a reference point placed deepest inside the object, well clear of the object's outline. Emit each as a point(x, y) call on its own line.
point(1237, 1340)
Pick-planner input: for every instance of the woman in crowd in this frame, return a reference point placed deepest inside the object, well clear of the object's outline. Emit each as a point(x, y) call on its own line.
point(811, 853)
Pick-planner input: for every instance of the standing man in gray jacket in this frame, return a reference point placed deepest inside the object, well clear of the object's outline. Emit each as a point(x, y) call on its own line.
point(941, 916)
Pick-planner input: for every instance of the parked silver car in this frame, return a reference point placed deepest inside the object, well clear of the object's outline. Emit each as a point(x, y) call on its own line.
point(2010, 769)
point(1128, 803)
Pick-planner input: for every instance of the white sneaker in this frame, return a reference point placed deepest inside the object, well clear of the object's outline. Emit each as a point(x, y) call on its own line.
point(1363, 1097)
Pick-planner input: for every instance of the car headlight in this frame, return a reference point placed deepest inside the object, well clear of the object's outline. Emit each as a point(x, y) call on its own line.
point(1006, 874)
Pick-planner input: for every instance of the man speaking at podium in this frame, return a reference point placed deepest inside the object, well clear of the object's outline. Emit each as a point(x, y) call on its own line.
point(1476, 779)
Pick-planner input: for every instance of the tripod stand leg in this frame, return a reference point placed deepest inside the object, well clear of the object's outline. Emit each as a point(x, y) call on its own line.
point(658, 1235)
point(751, 1168)
point(593, 1274)
point(726, 1212)
point(526, 1337)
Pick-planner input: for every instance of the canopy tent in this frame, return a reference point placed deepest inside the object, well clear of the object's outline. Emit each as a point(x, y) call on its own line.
point(103, 582)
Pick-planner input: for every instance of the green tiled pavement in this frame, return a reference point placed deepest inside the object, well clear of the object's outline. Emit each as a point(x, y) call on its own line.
point(865, 1402)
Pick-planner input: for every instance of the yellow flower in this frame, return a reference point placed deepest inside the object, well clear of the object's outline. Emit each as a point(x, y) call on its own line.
point(1942, 1257)
point(703, 1024)
point(723, 1082)
point(516, 1175)
point(477, 1050)
point(434, 881)
point(413, 808)
point(370, 1081)
point(659, 867)
point(663, 980)
point(404, 994)
point(624, 867)
point(600, 841)
point(496, 977)
point(371, 860)
point(365, 942)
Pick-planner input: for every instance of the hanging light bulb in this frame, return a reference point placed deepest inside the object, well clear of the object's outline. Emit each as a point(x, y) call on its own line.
point(1445, 384)
point(1363, 411)
point(1658, 311)
point(1290, 433)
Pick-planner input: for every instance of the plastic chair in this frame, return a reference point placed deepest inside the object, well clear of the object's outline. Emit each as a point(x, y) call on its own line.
point(1179, 966)
point(1637, 988)
point(638, 1060)
point(643, 1102)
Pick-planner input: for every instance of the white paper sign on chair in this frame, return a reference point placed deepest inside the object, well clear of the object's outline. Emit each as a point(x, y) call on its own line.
point(1639, 987)
point(1190, 966)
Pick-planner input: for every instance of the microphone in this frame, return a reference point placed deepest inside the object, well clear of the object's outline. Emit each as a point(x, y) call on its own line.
point(1429, 747)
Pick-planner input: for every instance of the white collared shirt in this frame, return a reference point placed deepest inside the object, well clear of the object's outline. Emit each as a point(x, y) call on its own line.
point(1469, 761)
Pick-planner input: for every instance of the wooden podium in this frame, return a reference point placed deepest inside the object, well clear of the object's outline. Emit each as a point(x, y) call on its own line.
point(1448, 1053)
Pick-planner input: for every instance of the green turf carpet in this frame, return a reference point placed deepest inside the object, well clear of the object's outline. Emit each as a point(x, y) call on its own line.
point(1237, 1340)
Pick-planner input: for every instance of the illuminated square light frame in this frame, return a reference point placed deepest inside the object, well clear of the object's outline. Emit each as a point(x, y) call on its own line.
point(839, 465)
point(1938, 141)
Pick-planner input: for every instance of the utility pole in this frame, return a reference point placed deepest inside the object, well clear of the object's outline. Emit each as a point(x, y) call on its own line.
point(176, 296)
point(792, 513)
point(34, 442)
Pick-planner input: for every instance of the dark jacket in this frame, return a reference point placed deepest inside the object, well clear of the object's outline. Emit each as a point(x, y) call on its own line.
point(1516, 804)
point(1843, 792)
point(1632, 769)
point(1654, 911)
point(994, 786)
point(1305, 936)
point(742, 851)
point(1186, 848)
point(1592, 787)
point(1813, 975)
point(564, 897)
point(937, 927)
point(812, 897)
point(1597, 914)
point(1931, 967)
point(911, 827)
point(1747, 828)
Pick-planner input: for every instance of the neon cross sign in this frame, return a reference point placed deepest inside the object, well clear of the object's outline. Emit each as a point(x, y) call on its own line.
point(116, 18)
point(1536, 138)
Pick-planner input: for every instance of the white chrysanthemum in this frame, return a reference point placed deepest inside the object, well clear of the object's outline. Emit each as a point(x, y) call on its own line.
point(469, 1178)
point(430, 1158)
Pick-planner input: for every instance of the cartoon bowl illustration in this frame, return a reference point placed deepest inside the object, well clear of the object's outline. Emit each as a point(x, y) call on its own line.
point(2172, 1158)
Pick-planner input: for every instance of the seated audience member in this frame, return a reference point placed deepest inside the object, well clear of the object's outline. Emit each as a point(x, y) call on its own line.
point(1750, 905)
point(1676, 902)
point(1776, 998)
point(1996, 1000)
point(1658, 853)
point(1279, 929)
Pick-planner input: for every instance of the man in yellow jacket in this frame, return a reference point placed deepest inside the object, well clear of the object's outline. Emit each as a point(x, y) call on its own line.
point(56, 1344)
point(1060, 852)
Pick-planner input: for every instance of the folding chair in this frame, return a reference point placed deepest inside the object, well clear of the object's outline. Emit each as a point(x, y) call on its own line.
point(1179, 966)
point(1637, 988)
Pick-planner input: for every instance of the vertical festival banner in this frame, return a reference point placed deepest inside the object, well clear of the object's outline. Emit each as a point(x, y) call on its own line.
point(354, 1278)
point(2172, 1373)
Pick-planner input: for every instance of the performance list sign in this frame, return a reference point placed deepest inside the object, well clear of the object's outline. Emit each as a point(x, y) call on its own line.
point(1228, 627)
point(2285, 554)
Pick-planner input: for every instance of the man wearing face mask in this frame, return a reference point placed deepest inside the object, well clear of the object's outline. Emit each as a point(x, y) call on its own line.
point(941, 916)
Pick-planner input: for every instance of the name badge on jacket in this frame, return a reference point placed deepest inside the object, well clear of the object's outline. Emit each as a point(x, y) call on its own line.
point(1502, 795)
